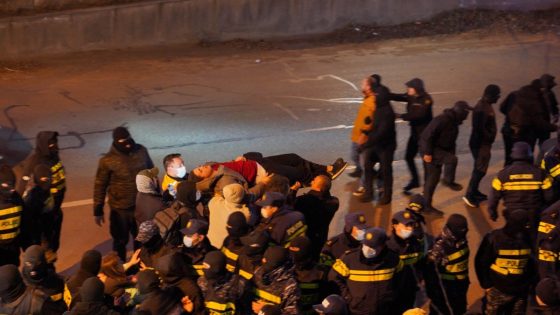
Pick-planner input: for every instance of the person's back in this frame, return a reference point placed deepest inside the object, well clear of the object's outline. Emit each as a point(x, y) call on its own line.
point(92, 300)
point(154, 299)
point(16, 298)
point(89, 267)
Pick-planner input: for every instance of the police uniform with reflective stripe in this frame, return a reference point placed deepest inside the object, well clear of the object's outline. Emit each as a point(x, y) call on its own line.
point(522, 186)
point(311, 283)
point(284, 225)
point(10, 222)
point(336, 247)
point(368, 285)
point(505, 263)
point(231, 257)
point(412, 254)
point(246, 265)
point(551, 164)
point(195, 257)
point(223, 298)
point(58, 174)
point(548, 259)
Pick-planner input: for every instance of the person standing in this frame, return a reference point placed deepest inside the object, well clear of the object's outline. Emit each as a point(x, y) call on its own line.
point(418, 114)
point(437, 145)
point(482, 137)
point(550, 105)
point(116, 177)
point(46, 152)
point(11, 210)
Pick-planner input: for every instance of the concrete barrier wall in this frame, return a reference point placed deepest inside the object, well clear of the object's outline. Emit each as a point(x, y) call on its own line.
point(183, 21)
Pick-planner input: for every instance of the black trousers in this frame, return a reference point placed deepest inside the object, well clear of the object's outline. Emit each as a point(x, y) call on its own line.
point(294, 167)
point(440, 159)
point(122, 224)
point(508, 145)
point(481, 155)
point(411, 152)
point(455, 297)
point(383, 155)
point(52, 223)
point(9, 254)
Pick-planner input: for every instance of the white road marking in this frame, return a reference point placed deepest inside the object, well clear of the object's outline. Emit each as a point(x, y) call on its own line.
point(321, 77)
point(287, 110)
point(77, 203)
point(345, 100)
point(328, 128)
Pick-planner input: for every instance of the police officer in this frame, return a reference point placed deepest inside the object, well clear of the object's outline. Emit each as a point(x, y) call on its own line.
point(522, 186)
point(368, 276)
point(223, 291)
point(447, 273)
point(350, 238)
point(418, 114)
point(411, 253)
point(551, 164)
point(275, 282)
point(282, 223)
point(547, 296)
point(46, 152)
point(504, 265)
point(11, 210)
point(196, 245)
point(548, 261)
point(332, 305)
point(250, 258)
point(311, 279)
point(482, 137)
point(116, 177)
point(437, 145)
point(232, 246)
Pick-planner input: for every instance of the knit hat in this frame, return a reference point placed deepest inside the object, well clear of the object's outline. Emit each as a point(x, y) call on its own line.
point(332, 305)
point(92, 290)
point(237, 224)
point(91, 262)
point(148, 281)
point(270, 309)
point(275, 256)
point(120, 133)
point(214, 264)
point(146, 231)
point(196, 226)
point(521, 151)
point(457, 224)
point(356, 219)
point(233, 196)
point(7, 175)
point(375, 237)
point(548, 291)
point(255, 242)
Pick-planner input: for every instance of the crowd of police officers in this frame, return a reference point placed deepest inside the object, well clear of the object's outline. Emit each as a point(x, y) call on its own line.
point(269, 262)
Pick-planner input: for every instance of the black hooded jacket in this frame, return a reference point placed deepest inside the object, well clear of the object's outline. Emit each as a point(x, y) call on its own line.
point(418, 107)
point(441, 133)
point(383, 134)
point(529, 113)
point(484, 127)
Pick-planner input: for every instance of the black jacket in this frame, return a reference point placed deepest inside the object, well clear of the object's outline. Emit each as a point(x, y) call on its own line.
point(336, 246)
point(146, 206)
point(284, 225)
point(91, 308)
point(383, 133)
point(529, 113)
point(116, 177)
point(418, 110)
point(440, 134)
point(483, 124)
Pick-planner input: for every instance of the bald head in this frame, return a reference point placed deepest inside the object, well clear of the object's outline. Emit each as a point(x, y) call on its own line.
point(321, 183)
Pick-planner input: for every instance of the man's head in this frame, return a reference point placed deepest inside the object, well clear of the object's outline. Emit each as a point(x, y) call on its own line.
point(457, 225)
point(355, 225)
point(404, 222)
point(195, 232)
point(521, 151)
point(201, 172)
point(147, 231)
point(122, 140)
point(374, 242)
point(547, 81)
point(332, 305)
point(214, 264)
point(255, 243)
point(236, 225)
point(415, 87)
point(35, 267)
point(174, 165)
point(366, 86)
point(321, 183)
point(548, 292)
point(270, 203)
point(461, 110)
point(91, 262)
point(274, 257)
point(492, 93)
point(147, 181)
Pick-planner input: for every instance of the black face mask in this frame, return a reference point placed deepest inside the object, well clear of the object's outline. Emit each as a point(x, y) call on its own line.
point(237, 231)
point(125, 146)
point(252, 251)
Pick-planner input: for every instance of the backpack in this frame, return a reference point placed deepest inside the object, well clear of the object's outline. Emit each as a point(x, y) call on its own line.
point(172, 219)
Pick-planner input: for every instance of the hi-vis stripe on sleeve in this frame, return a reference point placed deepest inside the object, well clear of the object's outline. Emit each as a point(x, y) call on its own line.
point(341, 268)
point(523, 185)
point(546, 255)
point(547, 182)
point(546, 227)
point(496, 184)
point(555, 171)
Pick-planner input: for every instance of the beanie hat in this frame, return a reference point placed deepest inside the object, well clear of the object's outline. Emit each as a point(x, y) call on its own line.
point(148, 281)
point(186, 192)
point(92, 290)
point(548, 291)
point(457, 224)
point(7, 175)
point(275, 256)
point(237, 224)
point(492, 91)
point(214, 264)
point(521, 151)
point(91, 262)
point(120, 133)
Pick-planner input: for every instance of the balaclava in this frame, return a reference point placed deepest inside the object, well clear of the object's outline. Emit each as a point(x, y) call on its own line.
point(121, 133)
point(237, 225)
point(457, 225)
point(492, 93)
point(300, 250)
point(91, 262)
point(275, 257)
point(214, 265)
point(35, 268)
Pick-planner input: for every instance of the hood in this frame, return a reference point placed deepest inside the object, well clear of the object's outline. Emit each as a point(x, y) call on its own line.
point(42, 142)
point(171, 268)
point(417, 84)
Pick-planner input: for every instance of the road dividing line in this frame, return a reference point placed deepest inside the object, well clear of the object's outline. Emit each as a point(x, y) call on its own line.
point(77, 203)
point(287, 110)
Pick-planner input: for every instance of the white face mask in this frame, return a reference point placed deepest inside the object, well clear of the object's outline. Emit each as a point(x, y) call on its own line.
point(360, 235)
point(368, 251)
point(188, 241)
point(404, 234)
point(181, 171)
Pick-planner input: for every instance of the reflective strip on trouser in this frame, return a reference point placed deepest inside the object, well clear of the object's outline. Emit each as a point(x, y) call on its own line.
point(220, 308)
point(268, 297)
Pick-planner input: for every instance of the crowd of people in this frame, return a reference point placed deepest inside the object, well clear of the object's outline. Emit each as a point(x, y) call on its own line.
point(237, 237)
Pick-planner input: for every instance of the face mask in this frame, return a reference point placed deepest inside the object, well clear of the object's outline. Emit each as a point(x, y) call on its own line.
point(404, 234)
point(368, 251)
point(360, 235)
point(188, 241)
point(181, 171)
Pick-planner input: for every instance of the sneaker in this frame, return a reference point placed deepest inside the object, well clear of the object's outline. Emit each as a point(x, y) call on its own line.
point(338, 167)
point(360, 191)
point(452, 185)
point(469, 201)
point(411, 185)
point(356, 173)
point(366, 197)
point(480, 196)
point(432, 211)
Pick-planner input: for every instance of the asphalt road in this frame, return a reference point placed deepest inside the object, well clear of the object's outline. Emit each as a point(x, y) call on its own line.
point(213, 104)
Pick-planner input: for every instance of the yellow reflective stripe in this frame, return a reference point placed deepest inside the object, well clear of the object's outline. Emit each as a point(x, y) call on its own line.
point(267, 296)
point(229, 254)
point(410, 259)
point(198, 269)
point(543, 164)
point(546, 227)
point(371, 278)
point(8, 236)
point(554, 171)
point(220, 306)
point(446, 276)
point(57, 297)
point(547, 183)
point(511, 263)
point(11, 210)
point(295, 234)
point(546, 255)
point(514, 252)
point(496, 184)
point(309, 286)
point(230, 268)
point(458, 267)
point(371, 272)
point(521, 176)
point(408, 256)
point(67, 296)
point(10, 223)
point(506, 271)
point(341, 268)
point(458, 254)
point(245, 274)
point(533, 185)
